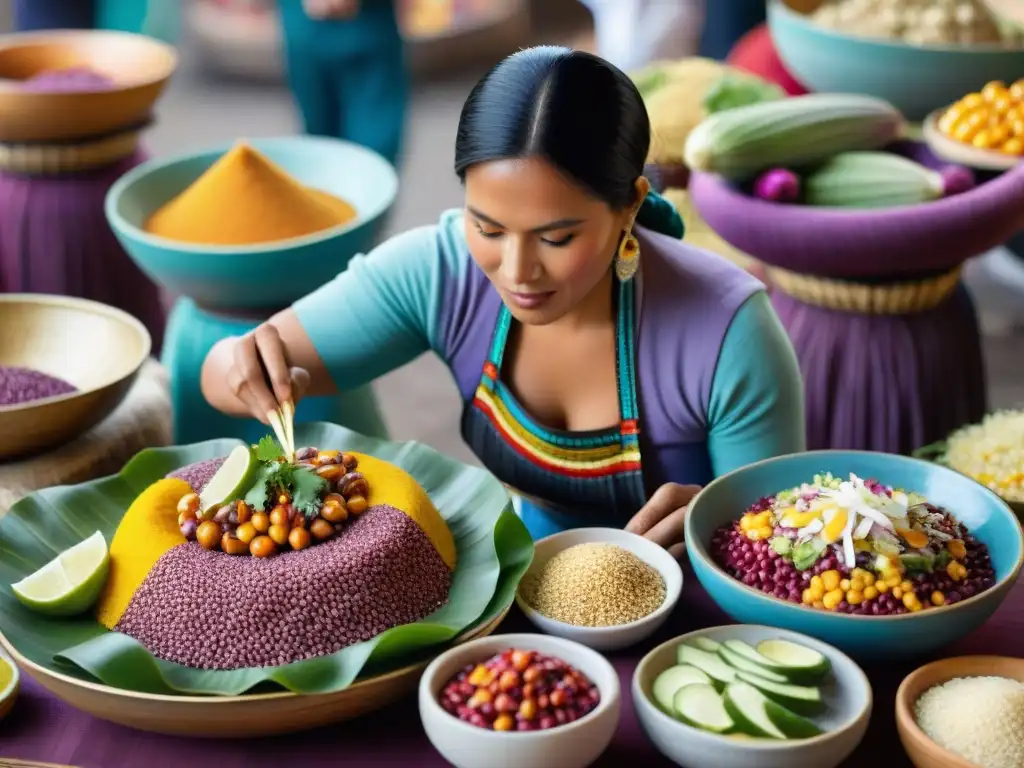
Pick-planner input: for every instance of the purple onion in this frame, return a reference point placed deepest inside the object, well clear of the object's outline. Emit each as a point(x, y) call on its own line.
point(778, 185)
point(956, 179)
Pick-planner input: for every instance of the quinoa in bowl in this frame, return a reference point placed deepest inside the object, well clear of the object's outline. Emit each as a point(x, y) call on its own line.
point(854, 546)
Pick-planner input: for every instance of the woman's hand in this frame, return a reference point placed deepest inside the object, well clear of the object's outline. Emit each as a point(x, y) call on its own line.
point(257, 358)
point(330, 9)
point(661, 519)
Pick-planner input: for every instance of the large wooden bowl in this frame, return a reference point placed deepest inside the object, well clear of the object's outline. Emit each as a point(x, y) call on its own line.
point(139, 66)
point(250, 715)
point(923, 752)
point(96, 348)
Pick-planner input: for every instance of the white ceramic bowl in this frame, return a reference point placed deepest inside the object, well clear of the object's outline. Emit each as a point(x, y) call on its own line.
point(623, 635)
point(573, 745)
point(847, 694)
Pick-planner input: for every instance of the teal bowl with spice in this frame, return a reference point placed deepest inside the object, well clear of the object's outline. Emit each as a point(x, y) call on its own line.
point(831, 543)
point(258, 276)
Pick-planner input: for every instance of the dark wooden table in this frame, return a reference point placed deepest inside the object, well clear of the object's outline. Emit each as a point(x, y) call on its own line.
point(42, 728)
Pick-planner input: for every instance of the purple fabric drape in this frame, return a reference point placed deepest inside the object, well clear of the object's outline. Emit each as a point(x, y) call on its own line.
point(55, 239)
point(887, 382)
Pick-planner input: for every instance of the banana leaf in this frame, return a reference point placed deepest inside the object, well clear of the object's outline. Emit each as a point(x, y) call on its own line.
point(494, 550)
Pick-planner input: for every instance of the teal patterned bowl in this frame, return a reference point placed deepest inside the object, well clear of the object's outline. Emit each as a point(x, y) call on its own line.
point(263, 276)
point(915, 79)
point(873, 638)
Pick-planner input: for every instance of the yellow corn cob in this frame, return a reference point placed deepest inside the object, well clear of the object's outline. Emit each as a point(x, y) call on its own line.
point(737, 143)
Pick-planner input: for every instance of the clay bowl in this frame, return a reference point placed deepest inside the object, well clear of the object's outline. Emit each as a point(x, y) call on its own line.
point(261, 275)
point(855, 243)
point(139, 66)
point(923, 752)
point(96, 348)
point(930, 76)
point(225, 717)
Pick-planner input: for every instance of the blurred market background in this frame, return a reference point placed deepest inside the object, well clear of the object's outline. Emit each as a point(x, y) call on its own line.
point(230, 85)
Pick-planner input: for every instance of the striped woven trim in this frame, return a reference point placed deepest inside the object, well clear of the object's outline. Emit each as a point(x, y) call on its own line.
point(57, 159)
point(589, 454)
point(892, 299)
point(585, 462)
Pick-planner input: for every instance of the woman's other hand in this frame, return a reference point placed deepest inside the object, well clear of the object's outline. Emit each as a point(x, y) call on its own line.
point(331, 9)
point(661, 518)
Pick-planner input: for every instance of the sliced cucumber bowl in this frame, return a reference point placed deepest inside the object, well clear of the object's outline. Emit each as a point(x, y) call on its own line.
point(732, 687)
point(757, 696)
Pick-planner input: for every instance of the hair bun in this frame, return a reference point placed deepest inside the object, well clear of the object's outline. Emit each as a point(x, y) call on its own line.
point(659, 214)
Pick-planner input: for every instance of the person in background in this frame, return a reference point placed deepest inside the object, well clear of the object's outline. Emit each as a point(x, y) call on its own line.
point(347, 71)
point(606, 368)
point(632, 33)
point(726, 22)
point(38, 15)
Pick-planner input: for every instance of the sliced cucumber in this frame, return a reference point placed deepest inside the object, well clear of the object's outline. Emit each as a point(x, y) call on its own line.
point(748, 652)
point(798, 661)
point(747, 706)
point(739, 663)
point(721, 674)
point(663, 691)
point(706, 644)
point(757, 715)
point(701, 706)
point(804, 700)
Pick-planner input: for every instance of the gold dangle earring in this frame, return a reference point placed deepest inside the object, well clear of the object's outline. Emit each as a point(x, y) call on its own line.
point(627, 261)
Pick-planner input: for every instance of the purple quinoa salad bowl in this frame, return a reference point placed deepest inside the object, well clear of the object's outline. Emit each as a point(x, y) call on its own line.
point(881, 555)
point(856, 243)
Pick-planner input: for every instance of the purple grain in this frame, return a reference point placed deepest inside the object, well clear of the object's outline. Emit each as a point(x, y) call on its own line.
point(199, 474)
point(67, 80)
point(213, 611)
point(23, 385)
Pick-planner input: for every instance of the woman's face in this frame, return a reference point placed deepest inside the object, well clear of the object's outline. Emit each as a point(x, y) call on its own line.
point(542, 241)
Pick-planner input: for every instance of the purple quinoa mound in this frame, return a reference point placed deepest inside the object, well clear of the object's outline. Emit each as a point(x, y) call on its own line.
point(210, 610)
point(199, 474)
point(23, 385)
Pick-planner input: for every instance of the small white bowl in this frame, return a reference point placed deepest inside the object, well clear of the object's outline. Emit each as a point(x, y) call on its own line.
point(847, 695)
point(573, 745)
point(606, 638)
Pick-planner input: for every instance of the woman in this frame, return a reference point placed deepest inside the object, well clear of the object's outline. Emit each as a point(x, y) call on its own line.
point(607, 369)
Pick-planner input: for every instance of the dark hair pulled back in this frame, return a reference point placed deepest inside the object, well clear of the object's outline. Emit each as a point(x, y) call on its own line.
point(575, 110)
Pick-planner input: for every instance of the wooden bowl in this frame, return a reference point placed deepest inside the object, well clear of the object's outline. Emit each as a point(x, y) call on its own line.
point(246, 716)
point(963, 154)
point(139, 66)
point(923, 752)
point(96, 348)
point(9, 693)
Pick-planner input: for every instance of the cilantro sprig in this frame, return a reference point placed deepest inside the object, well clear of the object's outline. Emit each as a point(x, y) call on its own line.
point(277, 475)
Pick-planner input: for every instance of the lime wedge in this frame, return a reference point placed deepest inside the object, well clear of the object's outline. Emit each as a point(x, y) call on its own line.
point(232, 480)
point(8, 685)
point(70, 583)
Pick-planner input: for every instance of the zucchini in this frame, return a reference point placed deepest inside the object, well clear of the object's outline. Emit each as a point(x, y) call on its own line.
point(797, 662)
point(802, 699)
point(757, 715)
point(701, 706)
point(742, 664)
point(706, 644)
point(870, 180)
point(721, 674)
point(802, 130)
point(670, 681)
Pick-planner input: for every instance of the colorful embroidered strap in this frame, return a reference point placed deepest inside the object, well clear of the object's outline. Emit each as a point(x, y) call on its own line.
point(577, 454)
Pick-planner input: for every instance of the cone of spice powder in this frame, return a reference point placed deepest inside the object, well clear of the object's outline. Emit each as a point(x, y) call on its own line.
point(245, 199)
